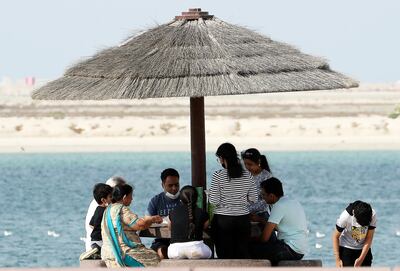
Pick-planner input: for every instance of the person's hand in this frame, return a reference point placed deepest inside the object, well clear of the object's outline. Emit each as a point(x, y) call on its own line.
point(156, 219)
point(339, 262)
point(358, 262)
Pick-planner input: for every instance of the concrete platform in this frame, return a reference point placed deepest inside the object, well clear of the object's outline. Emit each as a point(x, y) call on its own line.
point(89, 263)
point(215, 263)
point(301, 263)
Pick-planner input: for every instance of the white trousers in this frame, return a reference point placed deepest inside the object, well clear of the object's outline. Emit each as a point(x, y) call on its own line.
point(189, 250)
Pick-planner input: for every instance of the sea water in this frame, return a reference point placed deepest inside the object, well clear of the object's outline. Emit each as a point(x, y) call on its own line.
point(44, 197)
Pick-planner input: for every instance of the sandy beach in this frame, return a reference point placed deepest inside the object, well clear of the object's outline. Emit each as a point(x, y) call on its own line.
point(356, 119)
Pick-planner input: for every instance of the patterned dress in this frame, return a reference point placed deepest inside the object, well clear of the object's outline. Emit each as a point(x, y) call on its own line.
point(122, 246)
point(260, 206)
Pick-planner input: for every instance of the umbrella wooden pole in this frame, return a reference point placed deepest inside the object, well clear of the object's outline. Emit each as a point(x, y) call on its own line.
point(198, 142)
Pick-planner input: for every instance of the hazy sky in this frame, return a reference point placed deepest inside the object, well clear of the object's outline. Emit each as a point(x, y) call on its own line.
point(360, 38)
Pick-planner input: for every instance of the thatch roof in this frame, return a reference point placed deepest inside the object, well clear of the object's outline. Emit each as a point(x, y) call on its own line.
point(193, 57)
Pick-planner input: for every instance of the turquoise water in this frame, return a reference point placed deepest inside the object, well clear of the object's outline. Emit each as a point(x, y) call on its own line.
point(44, 197)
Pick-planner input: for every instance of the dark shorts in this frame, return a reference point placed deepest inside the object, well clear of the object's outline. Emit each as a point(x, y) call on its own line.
point(349, 256)
point(158, 243)
point(274, 250)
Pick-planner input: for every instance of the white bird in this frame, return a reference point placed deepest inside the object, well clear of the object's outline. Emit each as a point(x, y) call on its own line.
point(53, 233)
point(7, 233)
point(318, 246)
point(319, 234)
point(83, 239)
point(398, 233)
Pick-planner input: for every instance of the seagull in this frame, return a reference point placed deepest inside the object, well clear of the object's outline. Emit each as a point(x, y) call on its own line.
point(398, 233)
point(7, 233)
point(318, 246)
point(53, 233)
point(319, 234)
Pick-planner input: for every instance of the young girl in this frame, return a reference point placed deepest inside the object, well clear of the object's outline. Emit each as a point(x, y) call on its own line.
point(232, 189)
point(257, 165)
point(187, 223)
point(123, 248)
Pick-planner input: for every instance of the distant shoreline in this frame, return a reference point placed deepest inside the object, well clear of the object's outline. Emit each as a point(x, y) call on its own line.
point(355, 119)
point(182, 144)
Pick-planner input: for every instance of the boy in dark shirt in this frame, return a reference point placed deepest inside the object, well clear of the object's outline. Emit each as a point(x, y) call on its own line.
point(102, 193)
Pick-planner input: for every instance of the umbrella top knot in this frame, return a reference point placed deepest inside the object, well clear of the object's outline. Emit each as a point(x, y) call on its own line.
point(194, 14)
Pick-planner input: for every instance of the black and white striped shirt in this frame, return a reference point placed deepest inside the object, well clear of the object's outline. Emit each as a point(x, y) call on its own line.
point(232, 196)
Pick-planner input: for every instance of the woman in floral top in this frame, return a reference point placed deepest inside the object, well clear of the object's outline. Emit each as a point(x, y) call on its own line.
point(121, 244)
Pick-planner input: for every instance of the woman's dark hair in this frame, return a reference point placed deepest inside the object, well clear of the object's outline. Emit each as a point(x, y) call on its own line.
point(272, 186)
point(255, 156)
point(120, 191)
point(188, 196)
point(228, 152)
point(362, 212)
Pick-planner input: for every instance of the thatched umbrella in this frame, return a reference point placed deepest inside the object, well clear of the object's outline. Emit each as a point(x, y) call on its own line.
point(195, 55)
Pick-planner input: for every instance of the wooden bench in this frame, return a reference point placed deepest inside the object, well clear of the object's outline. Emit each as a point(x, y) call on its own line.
point(301, 263)
point(214, 263)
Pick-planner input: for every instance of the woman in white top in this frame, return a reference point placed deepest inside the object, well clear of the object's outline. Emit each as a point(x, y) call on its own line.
point(232, 190)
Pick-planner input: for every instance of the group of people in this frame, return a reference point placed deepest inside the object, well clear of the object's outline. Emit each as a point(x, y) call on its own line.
point(242, 191)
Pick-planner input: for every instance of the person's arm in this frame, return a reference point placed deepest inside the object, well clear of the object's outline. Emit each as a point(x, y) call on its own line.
point(341, 224)
point(136, 223)
point(267, 232)
point(152, 207)
point(91, 223)
point(366, 247)
point(94, 220)
point(215, 190)
point(206, 224)
point(145, 222)
point(253, 192)
point(335, 243)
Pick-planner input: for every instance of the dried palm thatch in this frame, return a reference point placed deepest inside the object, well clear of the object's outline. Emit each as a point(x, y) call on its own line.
point(193, 57)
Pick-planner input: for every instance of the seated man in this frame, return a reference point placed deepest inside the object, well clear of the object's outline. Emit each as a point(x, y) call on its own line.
point(288, 219)
point(162, 204)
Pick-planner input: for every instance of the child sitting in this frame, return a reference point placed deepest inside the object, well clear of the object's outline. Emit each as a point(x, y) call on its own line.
point(187, 223)
point(353, 236)
point(102, 193)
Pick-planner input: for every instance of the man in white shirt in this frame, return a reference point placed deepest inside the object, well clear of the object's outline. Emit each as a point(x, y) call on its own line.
point(288, 219)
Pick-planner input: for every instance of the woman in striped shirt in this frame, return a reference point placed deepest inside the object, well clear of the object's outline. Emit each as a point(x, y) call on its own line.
point(232, 190)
